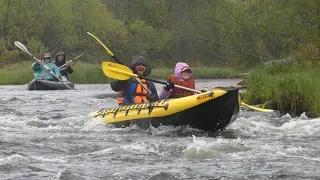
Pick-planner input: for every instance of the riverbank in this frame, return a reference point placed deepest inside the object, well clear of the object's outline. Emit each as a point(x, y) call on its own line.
point(85, 73)
point(287, 87)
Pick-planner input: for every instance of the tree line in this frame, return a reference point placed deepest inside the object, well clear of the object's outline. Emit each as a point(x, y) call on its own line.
point(239, 33)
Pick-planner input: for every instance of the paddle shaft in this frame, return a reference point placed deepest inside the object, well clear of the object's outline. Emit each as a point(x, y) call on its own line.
point(72, 60)
point(106, 48)
point(177, 86)
point(116, 59)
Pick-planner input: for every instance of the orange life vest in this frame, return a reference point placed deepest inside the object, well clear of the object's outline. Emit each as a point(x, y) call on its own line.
point(177, 92)
point(134, 93)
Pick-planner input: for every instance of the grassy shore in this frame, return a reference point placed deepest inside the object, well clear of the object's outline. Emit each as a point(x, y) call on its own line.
point(289, 87)
point(85, 73)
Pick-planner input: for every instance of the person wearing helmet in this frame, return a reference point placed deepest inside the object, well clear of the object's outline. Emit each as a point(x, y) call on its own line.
point(60, 61)
point(41, 72)
point(130, 91)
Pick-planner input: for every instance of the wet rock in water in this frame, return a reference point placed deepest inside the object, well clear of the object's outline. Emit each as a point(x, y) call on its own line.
point(49, 116)
point(37, 124)
point(18, 113)
point(311, 114)
point(56, 116)
point(14, 99)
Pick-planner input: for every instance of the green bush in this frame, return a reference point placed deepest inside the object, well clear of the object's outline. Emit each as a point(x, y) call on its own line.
point(290, 87)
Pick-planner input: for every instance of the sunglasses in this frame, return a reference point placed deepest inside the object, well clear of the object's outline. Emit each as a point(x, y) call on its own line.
point(47, 58)
point(140, 64)
point(187, 70)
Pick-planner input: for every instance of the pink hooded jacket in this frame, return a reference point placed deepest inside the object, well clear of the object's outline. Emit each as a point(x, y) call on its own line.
point(180, 66)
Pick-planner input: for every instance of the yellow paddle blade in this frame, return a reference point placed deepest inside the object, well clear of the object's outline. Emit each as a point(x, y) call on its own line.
point(117, 71)
point(256, 108)
point(105, 47)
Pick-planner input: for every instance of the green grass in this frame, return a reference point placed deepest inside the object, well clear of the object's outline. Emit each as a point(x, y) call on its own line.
point(16, 74)
point(292, 88)
point(85, 73)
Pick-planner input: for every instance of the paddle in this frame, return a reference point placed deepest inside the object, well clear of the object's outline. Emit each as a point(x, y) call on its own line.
point(121, 72)
point(256, 108)
point(116, 59)
point(24, 49)
point(72, 60)
point(107, 49)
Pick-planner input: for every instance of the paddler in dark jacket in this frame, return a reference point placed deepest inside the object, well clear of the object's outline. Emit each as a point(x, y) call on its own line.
point(60, 61)
point(130, 91)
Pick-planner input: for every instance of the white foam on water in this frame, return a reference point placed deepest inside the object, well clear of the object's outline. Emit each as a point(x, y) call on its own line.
point(19, 159)
point(252, 126)
point(143, 148)
point(302, 128)
point(284, 126)
point(28, 124)
point(11, 121)
point(95, 124)
point(13, 159)
point(106, 151)
point(50, 160)
point(287, 116)
point(207, 148)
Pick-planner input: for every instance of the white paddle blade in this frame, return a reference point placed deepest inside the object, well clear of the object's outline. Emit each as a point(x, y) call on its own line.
point(22, 47)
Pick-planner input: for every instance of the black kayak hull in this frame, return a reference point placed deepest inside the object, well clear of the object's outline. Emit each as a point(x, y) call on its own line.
point(49, 85)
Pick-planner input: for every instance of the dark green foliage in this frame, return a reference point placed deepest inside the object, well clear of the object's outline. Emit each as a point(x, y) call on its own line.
point(238, 34)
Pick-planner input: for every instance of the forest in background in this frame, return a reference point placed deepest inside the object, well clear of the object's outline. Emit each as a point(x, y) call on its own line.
point(225, 33)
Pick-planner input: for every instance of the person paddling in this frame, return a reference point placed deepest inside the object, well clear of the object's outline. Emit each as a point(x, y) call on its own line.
point(41, 71)
point(60, 61)
point(183, 76)
point(130, 91)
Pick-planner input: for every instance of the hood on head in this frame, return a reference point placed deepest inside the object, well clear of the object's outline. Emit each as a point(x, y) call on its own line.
point(180, 66)
point(141, 60)
point(61, 53)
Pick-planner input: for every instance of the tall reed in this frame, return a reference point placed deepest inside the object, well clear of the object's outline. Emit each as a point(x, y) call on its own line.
point(290, 87)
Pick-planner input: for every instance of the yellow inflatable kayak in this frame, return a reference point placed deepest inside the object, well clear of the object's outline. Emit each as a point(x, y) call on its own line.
point(211, 110)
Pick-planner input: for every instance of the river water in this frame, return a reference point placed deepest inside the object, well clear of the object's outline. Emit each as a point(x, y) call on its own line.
point(49, 135)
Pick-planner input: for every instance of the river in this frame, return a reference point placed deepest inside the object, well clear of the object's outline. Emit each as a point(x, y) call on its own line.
point(49, 135)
